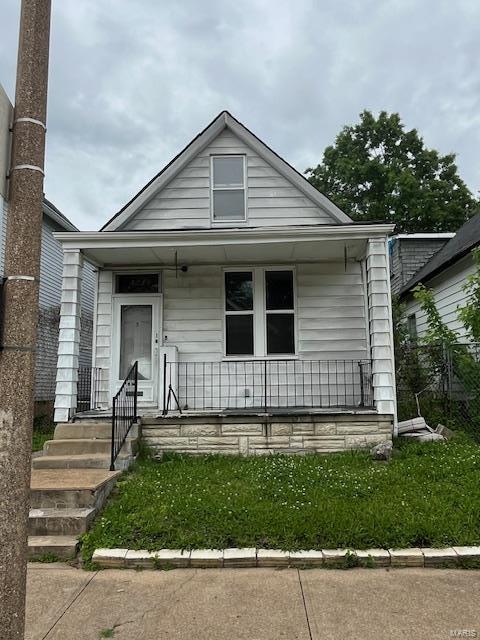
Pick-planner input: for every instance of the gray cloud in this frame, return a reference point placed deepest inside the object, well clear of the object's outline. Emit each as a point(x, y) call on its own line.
point(132, 83)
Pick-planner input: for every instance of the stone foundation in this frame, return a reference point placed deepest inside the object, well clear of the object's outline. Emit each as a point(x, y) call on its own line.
point(258, 435)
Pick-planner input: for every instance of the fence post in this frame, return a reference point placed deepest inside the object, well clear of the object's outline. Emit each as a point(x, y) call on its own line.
point(362, 389)
point(135, 391)
point(265, 385)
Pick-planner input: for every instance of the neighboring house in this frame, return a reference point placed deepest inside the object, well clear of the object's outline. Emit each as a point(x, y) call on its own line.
point(409, 252)
point(445, 274)
point(242, 291)
point(51, 265)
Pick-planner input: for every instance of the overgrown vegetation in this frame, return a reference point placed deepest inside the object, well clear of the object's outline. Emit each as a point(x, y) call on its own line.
point(444, 367)
point(428, 495)
point(43, 429)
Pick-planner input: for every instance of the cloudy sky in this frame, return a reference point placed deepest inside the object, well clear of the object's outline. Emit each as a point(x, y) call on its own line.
point(132, 82)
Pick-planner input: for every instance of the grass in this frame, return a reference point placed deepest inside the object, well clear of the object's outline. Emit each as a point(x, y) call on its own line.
point(428, 495)
point(43, 429)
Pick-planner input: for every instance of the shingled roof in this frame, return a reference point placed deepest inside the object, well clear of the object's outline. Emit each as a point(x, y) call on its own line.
point(466, 239)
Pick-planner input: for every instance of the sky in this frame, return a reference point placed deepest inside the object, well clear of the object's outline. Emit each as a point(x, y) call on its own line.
point(131, 83)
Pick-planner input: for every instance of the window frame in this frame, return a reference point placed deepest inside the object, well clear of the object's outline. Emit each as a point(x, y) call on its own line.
point(132, 272)
point(412, 327)
point(260, 313)
point(229, 222)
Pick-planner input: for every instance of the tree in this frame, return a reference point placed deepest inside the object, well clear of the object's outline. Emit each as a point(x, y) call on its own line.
point(377, 171)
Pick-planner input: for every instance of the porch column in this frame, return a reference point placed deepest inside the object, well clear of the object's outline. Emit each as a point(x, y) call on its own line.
point(69, 336)
point(380, 326)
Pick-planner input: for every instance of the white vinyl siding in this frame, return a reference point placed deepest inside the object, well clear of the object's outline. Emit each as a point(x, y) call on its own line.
point(103, 333)
point(448, 294)
point(330, 314)
point(185, 201)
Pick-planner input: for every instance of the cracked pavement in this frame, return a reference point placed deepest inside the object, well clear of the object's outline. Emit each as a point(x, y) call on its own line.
point(251, 604)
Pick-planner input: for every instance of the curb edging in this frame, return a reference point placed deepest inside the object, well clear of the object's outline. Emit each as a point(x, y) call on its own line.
point(276, 558)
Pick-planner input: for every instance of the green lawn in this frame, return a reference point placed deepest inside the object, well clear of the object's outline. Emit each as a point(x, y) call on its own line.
point(428, 495)
point(43, 429)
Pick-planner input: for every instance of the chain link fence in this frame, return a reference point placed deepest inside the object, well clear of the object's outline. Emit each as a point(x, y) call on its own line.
point(440, 383)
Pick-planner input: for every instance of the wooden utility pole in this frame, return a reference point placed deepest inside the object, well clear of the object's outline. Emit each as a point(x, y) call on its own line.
point(20, 300)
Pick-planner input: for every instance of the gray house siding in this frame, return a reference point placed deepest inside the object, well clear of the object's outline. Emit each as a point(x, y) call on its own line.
point(408, 255)
point(51, 267)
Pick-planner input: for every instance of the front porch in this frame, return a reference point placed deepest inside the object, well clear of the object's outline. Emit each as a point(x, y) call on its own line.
point(235, 326)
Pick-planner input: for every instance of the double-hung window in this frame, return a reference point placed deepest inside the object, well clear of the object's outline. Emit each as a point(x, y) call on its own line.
point(259, 312)
point(228, 189)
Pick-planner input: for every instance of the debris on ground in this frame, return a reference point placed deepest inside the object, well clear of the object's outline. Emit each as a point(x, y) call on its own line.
point(382, 451)
point(444, 431)
point(418, 429)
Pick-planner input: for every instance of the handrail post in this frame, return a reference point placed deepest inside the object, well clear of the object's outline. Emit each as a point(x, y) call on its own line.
point(112, 449)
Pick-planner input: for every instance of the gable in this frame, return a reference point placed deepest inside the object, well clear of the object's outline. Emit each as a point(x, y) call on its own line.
point(179, 197)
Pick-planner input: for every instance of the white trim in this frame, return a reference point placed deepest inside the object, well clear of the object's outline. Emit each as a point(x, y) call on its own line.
point(225, 120)
point(422, 236)
point(156, 302)
point(94, 336)
point(259, 312)
point(392, 347)
point(229, 222)
point(205, 237)
point(363, 272)
point(128, 271)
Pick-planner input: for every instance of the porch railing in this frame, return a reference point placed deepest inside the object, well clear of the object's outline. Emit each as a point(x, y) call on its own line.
point(266, 385)
point(124, 412)
point(88, 388)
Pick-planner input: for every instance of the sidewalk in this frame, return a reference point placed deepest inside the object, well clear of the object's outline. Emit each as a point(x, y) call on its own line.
point(251, 604)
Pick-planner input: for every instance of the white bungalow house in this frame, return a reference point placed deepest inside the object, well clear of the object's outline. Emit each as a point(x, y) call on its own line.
point(259, 314)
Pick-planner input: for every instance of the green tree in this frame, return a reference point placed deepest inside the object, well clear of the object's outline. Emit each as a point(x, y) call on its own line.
point(378, 171)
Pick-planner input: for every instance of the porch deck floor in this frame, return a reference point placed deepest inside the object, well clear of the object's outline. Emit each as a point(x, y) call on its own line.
point(281, 411)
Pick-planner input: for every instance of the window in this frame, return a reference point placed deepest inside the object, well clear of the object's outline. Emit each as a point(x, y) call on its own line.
point(137, 283)
point(412, 326)
point(239, 313)
point(228, 188)
point(280, 312)
point(259, 312)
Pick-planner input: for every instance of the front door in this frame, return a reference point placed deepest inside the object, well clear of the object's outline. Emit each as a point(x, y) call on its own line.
point(136, 335)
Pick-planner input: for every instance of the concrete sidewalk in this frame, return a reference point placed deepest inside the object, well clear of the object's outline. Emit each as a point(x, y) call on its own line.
point(251, 604)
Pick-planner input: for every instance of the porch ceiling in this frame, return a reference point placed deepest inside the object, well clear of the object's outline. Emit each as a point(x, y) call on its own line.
point(224, 246)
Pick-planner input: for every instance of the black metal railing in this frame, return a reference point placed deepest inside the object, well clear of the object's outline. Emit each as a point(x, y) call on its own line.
point(88, 388)
point(267, 385)
point(124, 412)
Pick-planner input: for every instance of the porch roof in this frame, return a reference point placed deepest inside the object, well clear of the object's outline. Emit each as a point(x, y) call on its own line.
point(210, 246)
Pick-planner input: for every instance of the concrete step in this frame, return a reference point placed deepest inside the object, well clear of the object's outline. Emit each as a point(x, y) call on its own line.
point(84, 461)
point(64, 547)
point(59, 522)
point(88, 430)
point(70, 488)
point(78, 447)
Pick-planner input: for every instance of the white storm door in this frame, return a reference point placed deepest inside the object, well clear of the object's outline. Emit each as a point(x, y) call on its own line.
point(136, 337)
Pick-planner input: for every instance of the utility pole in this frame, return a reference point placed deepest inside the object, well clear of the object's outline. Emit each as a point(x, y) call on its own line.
point(20, 298)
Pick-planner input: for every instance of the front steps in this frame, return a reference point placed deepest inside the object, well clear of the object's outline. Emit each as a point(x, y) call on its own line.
point(85, 445)
point(70, 483)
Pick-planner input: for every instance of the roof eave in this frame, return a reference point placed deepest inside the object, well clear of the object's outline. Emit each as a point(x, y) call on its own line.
point(112, 239)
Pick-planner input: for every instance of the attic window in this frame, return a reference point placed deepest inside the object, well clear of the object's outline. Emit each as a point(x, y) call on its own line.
point(228, 188)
